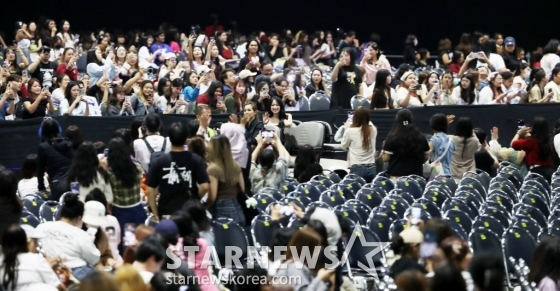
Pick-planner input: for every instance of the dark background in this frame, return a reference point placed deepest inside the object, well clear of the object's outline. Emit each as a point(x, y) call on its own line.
point(532, 23)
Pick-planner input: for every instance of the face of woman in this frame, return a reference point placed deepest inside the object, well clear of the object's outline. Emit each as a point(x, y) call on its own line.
point(306, 38)
point(461, 59)
point(36, 88)
point(498, 81)
point(316, 77)
point(193, 79)
point(85, 80)
point(51, 24)
point(121, 52)
point(75, 91)
point(482, 73)
point(389, 80)
point(240, 88)
point(148, 89)
point(432, 79)
point(411, 80)
point(99, 54)
point(281, 89)
point(32, 26)
point(275, 107)
point(500, 40)
point(322, 35)
point(372, 51)
point(329, 37)
point(346, 58)
point(150, 41)
point(447, 78)
point(69, 54)
point(526, 71)
point(264, 90)
point(120, 96)
point(521, 55)
point(248, 111)
point(508, 82)
point(10, 55)
point(105, 41)
point(65, 81)
point(253, 47)
point(132, 59)
point(215, 52)
point(223, 37)
point(465, 83)
point(66, 26)
point(218, 93)
point(197, 52)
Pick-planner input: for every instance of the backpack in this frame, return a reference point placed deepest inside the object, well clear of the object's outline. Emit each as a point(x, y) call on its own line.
point(153, 154)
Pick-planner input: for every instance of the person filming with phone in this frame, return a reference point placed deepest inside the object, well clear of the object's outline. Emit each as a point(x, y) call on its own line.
point(10, 97)
point(410, 93)
point(269, 162)
point(73, 103)
point(118, 104)
point(38, 101)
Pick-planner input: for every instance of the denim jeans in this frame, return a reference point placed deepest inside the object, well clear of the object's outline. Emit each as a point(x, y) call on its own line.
point(229, 208)
point(81, 272)
point(365, 171)
point(125, 215)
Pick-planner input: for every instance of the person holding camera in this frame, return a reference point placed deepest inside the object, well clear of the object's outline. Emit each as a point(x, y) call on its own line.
point(410, 93)
point(38, 101)
point(8, 100)
point(73, 103)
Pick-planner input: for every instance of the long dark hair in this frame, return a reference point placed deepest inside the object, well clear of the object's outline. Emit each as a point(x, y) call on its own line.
point(540, 131)
point(50, 129)
point(468, 95)
point(74, 134)
point(536, 80)
point(405, 136)
point(381, 87)
point(464, 129)
point(14, 242)
point(305, 158)
point(68, 91)
point(188, 229)
point(211, 91)
point(120, 163)
point(281, 113)
point(545, 261)
point(85, 165)
point(361, 119)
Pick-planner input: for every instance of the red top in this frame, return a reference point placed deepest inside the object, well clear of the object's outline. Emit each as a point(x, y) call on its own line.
point(209, 30)
point(68, 70)
point(203, 99)
point(455, 68)
point(227, 53)
point(531, 147)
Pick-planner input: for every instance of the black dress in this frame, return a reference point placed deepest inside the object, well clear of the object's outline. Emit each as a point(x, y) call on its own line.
point(346, 86)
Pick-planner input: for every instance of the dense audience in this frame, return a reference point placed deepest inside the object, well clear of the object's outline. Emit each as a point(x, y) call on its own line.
point(119, 216)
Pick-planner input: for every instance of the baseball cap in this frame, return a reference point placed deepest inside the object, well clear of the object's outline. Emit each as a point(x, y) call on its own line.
point(202, 69)
point(246, 73)
point(94, 213)
point(32, 232)
point(170, 56)
point(167, 228)
point(509, 40)
point(412, 236)
point(44, 49)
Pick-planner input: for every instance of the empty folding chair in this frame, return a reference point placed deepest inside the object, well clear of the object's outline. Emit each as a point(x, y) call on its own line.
point(303, 103)
point(33, 205)
point(518, 244)
point(439, 186)
point(370, 197)
point(397, 206)
point(360, 254)
point(473, 183)
point(498, 213)
point(319, 101)
point(539, 179)
point(357, 101)
point(533, 212)
point(332, 198)
point(262, 230)
point(321, 187)
point(28, 218)
point(502, 200)
point(483, 177)
point(402, 195)
point(537, 185)
point(299, 199)
point(470, 201)
point(288, 186)
point(410, 186)
point(437, 197)
point(361, 209)
point(356, 178)
point(48, 211)
point(430, 207)
point(397, 227)
point(316, 204)
point(309, 191)
point(348, 212)
point(528, 224)
point(384, 183)
point(484, 239)
point(272, 192)
point(379, 223)
point(457, 228)
point(344, 190)
point(457, 204)
point(236, 237)
point(461, 218)
point(448, 181)
point(420, 180)
point(536, 201)
point(263, 201)
point(323, 180)
point(489, 222)
point(424, 215)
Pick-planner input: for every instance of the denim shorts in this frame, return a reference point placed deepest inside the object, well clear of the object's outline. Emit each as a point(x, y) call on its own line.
point(365, 171)
point(229, 208)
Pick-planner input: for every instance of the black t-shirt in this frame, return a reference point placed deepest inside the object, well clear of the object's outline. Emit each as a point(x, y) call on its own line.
point(484, 161)
point(404, 165)
point(511, 62)
point(39, 112)
point(278, 54)
point(163, 175)
point(45, 73)
point(346, 86)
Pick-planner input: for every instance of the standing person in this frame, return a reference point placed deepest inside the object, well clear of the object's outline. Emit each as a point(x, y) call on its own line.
point(87, 173)
point(151, 142)
point(10, 205)
point(484, 158)
point(359, 141)
point(467, 145)
point(178, 176)
point(441, 145)
point(537, 147)
point(347, 80)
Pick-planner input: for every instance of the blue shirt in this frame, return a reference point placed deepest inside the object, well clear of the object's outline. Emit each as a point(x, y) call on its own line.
point(191, 93)
point(164, 49)
point(439, 143)
point(4, 108)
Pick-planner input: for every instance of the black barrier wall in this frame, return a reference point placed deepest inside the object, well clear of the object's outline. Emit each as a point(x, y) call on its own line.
point(20, 138)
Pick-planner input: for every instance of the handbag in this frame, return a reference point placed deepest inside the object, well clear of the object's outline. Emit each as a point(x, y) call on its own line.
point(249, 212)
point(435, 167)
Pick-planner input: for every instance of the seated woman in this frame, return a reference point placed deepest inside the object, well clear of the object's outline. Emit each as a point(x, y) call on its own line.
point(493, 93)
point(29, 184)
point(276, 115)
point(410, 93)
point(65, 238)
point(306, 165)
point(67, 64)
point(22, 267)
point(262, 97)
point(62, 81)
point(117, 104)
point(269, 164)
point(144, 102)
point(317, 83)
point(173, 103)
point(285, 93)
point(73, 103)
point(383, 95)
point(359, 141)
point(466, 93)
point(213, 98)
point(405, 148)
point(235, 100)
point(38, 101)
point(192, 85)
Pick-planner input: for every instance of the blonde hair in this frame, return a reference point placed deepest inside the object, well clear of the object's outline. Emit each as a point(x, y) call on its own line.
point(129, 279)
point(219, 154)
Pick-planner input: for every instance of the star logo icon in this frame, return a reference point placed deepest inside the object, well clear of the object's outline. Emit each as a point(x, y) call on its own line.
point(372, 248)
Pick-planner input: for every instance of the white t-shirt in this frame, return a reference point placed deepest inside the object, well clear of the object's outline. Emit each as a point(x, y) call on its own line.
point(142, 153)
point(94, 109)
point(456, 95)
point(113, 231)
point(32, 269)
point(162, 103)
point(79, 110)
point(143, 55)
point(555, 89)
point(352, 142)
point(70, 243)
point(30, 186)
point(548, 62)
point(486, 96)
point(401, 95)
point(497, 62)
point(57, 95)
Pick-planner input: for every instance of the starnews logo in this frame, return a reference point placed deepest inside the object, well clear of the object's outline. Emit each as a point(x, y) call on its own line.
point(307, 256)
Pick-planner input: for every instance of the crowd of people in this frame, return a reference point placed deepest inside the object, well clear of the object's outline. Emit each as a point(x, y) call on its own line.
point(122, 204)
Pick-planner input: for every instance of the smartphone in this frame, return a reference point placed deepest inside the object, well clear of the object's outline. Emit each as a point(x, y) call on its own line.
point(129, 234)
point(75, 187)
point(268, 135)
point(105, 152)
point(221, 99)
point(520, 124)
point(429, 246)
point(182, 96)
point(351, 116)
point(45, 88)
point(475, 55)
point(127, 98)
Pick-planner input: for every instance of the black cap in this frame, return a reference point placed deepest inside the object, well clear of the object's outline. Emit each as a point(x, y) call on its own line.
point(44, 48)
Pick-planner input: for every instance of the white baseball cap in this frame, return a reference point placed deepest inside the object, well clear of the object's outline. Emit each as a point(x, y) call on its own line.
point(32, 232)
point(246, 73)
point(94, 213)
